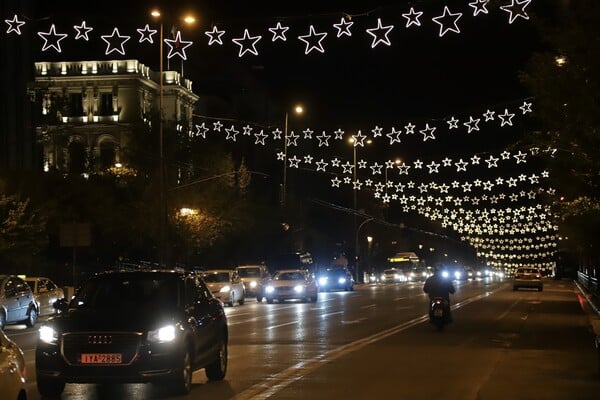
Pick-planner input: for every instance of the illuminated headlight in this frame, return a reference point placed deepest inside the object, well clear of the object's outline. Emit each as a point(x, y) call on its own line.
point(48, 334)
point(457, 274)
point(396, 276)
point(164, 334)
point(424, 274)
point(372, 278)
point(225, 289)
point(478, 273)
point(412, 274)
point(298, 288)
point(269, 289)
point(342, 280)
point(383, 277)
point(253, 284)
point(323, 281)
point(445, 274)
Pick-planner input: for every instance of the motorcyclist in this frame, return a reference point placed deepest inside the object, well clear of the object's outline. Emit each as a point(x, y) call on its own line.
point(438, 286)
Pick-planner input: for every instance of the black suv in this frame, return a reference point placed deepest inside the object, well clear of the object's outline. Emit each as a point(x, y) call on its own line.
point(134, 326)
point(336, 278)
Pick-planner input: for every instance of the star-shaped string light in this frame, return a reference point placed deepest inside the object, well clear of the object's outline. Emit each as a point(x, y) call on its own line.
point(260, 137)
point(146, 34)
point(452, 123)
point(472, 124)
point(380, 34)
point(52, 39)
point(116, 38)
point(177, 46)
point(526, 107)
point(428, 132)
point(506, 118)
point(82, 31)
point(516, 9)
point(215, 36)
point(279, 32)
point(247, 43)
point(412, 17)
point(313, 40)
point(201, 130)
point(14, 25)
point(479, 6)
point(231, 133)
point(343, 27)
point(447, 21)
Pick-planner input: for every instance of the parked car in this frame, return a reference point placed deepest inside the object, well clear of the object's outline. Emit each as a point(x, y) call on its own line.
point(336, 278)
point(225, 285)
point(288, 284)
point(17, 302)
point(254, 278)
point(528, 278)
point(45, 292)
point(134, 326)
point(13, 371)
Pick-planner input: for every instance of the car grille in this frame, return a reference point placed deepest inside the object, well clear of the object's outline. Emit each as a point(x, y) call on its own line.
point(125, 343)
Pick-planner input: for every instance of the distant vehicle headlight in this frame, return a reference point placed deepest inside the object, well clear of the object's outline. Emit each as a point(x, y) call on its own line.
point(457, 274)
point(269, 289)
point(383, 277)
point(164, 334)
point(342, 280)
point(253, 284)
point(445, 274)
point(298, 288)
point(323, 281)
point(225, 289)
point(48, 334)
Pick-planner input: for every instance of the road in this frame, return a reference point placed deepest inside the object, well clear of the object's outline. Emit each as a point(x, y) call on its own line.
point(375, 342)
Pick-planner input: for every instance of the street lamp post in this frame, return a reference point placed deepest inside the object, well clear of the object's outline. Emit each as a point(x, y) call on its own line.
point(355, 205)
point(298, 109)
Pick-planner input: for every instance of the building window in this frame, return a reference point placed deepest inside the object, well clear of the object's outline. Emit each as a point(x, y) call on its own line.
point(107, 154)
point(76, 104)
point(106, 104)
point(77, 158)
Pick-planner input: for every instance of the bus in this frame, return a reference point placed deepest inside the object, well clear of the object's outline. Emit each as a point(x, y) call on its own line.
point(409, 266)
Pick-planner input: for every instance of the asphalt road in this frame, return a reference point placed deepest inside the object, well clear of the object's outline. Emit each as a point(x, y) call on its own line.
point(376, 342)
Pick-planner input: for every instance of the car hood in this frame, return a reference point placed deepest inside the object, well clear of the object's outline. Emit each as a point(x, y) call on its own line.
point(287, 283)
point(250, 279)
point(134, 319)
point(217, 285)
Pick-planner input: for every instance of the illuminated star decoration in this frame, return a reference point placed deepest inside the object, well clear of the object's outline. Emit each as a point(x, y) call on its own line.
point(479, 6)
point(82, 31)
point(201, 129)
point(448, 16)
point(412, 17)
point(214, 36)
point(146, 34)
point(427, 132)
point(526, 107)
point(313, 40)
point(54, 42)
point(343, 27)
point(506, 118)
point(279, 32)
point(247, 43)
point(110, 38)
point(380, 34)
point(177, 46)
point(516, 9)
point(14, 25)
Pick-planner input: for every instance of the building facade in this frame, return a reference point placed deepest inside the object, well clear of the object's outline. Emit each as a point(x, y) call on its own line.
point(88, 112)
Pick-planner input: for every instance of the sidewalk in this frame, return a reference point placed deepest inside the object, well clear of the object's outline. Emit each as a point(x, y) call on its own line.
point(593, 301)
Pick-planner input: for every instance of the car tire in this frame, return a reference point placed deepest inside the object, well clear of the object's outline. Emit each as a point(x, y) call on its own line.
point(259, 299)
point(218, 368)
point(31, 317)
point(241, 301)
point(50, 387)
point(232, 298)
point(2, 319)
point(269, 300)
point(181, 381)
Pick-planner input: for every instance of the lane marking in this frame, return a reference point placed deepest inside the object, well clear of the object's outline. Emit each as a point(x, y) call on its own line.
point(274, 384)
point(280, 325)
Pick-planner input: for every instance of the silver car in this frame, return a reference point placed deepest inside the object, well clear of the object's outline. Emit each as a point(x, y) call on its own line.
point(13, 373)
point(225, 285)
point(290, 284)
point(17, 302)
point(46, 293)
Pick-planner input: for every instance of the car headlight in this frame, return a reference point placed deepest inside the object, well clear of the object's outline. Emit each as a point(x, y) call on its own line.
point(253, 284)
point(48, 334)
point(164, 334)
point(323, 281)
point(225, 289)
point(269, 289)
point(445, 274)
point(342, 280)
point(298, 288)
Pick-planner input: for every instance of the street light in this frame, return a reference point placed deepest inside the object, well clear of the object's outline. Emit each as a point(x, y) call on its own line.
point(298, 109)
point(156, 14)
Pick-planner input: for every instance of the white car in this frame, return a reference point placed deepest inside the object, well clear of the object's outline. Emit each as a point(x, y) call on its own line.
point(13, 373)
point(290, 284)
point(226, 285)
point(46, 293)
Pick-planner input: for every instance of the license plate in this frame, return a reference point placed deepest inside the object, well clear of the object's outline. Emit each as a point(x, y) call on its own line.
point(438, 312)
point(101, 358)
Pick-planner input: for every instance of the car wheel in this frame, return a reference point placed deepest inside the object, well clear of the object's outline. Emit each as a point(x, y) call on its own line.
point(259, 298)
point(241, 301)
point(32, 317)
point(232, 299)
point(181, 381)
point(217, 370)
point(2, 320)
point(269, 300)
point(50, 387)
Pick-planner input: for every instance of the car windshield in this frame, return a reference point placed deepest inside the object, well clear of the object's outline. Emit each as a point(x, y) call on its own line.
point(216, 277)
point(249, 272)
point(390, 271)
point(127, 291)
point(289, 276)
point(527, 271)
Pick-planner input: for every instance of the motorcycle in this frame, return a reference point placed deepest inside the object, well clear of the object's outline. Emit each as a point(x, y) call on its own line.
point(438, 313)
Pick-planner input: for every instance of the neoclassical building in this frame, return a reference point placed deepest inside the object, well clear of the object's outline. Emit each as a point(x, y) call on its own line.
point(88, 110)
